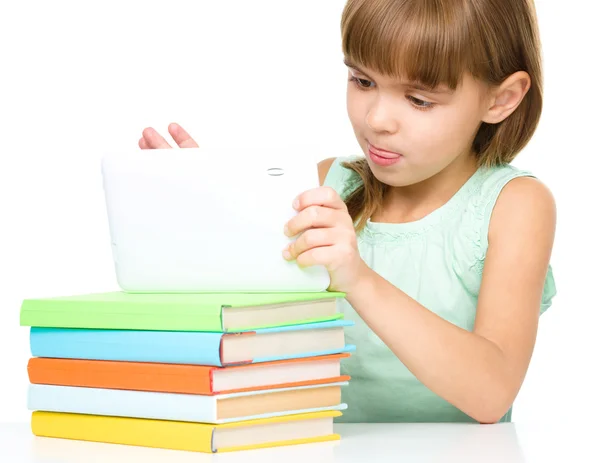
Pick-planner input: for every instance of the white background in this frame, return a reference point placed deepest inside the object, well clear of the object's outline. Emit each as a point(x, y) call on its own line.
point(79, 79)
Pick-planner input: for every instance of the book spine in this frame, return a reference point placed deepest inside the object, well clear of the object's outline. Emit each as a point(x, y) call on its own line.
point(173, 435)
point(114, 402)
point(137, 376)
point(196, 348)
point(118, 315)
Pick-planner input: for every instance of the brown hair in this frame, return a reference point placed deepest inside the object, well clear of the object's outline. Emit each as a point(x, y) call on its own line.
point(435, 42)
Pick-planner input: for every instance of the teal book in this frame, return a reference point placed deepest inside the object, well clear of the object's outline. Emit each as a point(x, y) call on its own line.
point(207, 312)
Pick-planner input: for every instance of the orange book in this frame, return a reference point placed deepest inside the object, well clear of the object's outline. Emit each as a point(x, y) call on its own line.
point(187, 379)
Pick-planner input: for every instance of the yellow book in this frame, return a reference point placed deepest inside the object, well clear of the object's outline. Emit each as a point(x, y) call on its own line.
point(180, 435)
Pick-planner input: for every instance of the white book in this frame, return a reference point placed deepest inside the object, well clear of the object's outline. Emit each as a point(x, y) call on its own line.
point(216, 409)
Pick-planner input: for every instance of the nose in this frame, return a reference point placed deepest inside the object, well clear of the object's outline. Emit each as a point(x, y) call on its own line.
point(381, 117)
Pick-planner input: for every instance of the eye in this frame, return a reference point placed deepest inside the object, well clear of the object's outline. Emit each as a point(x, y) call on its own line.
point(418, 103)
point(363, 84)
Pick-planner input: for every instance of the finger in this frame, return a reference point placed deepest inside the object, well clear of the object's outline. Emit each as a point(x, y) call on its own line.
point(316, 256)
point(313, 238)
point(322, 196)
point(331, 257)
point(315, 217)
point(142, 144)
point(154, 140)
point(181, 137)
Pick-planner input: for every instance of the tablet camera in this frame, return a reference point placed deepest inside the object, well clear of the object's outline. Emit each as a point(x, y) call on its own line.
point(275, 171)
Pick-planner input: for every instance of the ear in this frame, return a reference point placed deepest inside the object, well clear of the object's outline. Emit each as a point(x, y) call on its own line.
point(506, 97)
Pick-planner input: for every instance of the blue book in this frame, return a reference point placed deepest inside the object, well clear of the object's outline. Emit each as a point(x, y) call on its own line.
point(192, 347)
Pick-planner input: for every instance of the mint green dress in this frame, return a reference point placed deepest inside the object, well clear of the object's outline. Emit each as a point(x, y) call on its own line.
point(437, 260)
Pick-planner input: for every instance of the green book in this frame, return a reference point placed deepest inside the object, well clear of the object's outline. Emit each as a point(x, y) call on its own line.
point(211, 312)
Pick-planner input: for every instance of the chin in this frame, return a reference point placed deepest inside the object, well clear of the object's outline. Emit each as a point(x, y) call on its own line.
point(394, 177)
point(397, 176)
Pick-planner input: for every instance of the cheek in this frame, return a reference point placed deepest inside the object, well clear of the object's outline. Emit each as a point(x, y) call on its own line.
point(445, 131)
point(355, 108)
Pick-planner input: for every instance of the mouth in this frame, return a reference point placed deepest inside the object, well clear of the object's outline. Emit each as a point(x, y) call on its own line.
point(383, 157)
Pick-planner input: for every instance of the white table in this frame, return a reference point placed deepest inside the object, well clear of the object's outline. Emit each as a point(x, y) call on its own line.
point(361, 443)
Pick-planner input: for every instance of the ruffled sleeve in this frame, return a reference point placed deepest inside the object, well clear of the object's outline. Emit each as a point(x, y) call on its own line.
point(549, 291)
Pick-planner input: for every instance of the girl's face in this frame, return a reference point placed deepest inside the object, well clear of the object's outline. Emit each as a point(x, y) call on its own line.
point(422, 131)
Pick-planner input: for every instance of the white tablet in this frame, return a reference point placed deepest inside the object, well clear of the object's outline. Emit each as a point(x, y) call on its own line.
point(188, 220)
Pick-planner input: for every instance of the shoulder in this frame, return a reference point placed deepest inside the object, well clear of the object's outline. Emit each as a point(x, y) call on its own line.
point(508, 210)
point(524, 206)
point(324, 166)
point(333, 172)
point(510, 199)
point(528, 195)
point(515, 228)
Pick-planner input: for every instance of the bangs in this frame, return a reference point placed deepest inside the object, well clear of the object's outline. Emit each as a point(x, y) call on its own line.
point(424, 41)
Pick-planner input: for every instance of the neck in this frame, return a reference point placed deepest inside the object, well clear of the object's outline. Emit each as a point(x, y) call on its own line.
point(413, 202)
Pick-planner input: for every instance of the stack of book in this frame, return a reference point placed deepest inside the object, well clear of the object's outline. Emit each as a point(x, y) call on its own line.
point(201, 372)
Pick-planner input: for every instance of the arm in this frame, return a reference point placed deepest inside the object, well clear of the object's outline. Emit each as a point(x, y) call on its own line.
point(479, 372)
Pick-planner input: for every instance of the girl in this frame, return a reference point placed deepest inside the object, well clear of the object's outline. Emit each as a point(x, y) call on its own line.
point(441, 246)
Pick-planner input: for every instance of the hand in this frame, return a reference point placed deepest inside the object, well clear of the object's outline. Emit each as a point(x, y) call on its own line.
point(327, 237)
point(151, 139)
